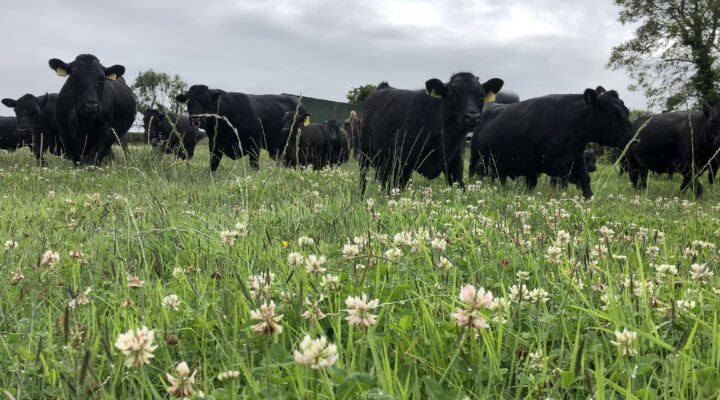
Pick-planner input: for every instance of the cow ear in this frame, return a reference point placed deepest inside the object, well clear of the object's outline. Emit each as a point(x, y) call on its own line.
point(114, 72)
point(215, 93)
point(181, 98)
point(493, 85)
point(435, 88)
point(600, 90)
point(59, 66)
point(590, 96)
point(43, 100)
point(9, 102)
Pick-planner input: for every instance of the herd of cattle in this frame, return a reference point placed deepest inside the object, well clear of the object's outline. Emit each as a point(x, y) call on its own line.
point(402, 130)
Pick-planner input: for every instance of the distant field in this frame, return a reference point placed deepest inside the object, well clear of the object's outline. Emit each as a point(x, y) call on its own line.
point(565, 276)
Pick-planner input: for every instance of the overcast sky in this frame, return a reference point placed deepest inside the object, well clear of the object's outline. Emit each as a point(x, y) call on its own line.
point(319, 48)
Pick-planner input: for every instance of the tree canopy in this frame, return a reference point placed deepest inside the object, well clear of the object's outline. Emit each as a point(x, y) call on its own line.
point(158, 90)
point(673, 56)
point(358, 94)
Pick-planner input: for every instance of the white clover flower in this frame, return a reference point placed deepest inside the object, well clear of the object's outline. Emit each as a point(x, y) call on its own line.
point(554, 255)
point(444, 264)
point(228, 375)
point(475, 298)
point(350, 250)
point(538, 295)
point(305, 241)
point(358, 309)
point(666, 269)
point(295, 259)
point(562, 239)
point(10, 244)
point(439, 244)
point(626, 340)
point(314, 264)
point(393, 254)
point(268, 324)
point(316, 353)
point(171, 302)
point(182, 385)
point(137, 345)
point(701, 273)
point(50, 258)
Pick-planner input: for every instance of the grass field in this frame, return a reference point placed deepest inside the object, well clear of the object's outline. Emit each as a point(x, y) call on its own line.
point(613, 298)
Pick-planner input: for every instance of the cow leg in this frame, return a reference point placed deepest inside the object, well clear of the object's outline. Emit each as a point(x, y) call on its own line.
point(215, 158)
point(687, 180)
point(364, 165)
point(581, 176)
point(642, 178)
point(531, 182)
point(255, 159)
point(712, 171)
point(124, 145)
point(454, 171)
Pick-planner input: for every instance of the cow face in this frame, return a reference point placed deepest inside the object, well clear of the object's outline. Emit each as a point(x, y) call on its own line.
point(200, 100)
point(712, 114)
point(463, 98)
point(153, 122)
point(86, 81)
point(609, 120)
point(590, 160)
point(28, 110)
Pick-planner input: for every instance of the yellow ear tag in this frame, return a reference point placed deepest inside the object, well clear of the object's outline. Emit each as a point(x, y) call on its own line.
point(112, 76)
point(306, 121)
point(61, 72)
point(490, 97)
point(433, 94)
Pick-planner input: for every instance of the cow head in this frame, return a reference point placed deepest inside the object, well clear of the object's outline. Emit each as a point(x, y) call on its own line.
point(292, 123)
point(712, 114)
point(28, 111)
point(463, 98)
point(200, 100)
point(86, 81)
point(153, 122)
point(608, 121)
point(590, 160)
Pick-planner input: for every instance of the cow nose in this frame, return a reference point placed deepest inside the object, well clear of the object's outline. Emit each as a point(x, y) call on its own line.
point(195, 121)
point(91, 106)
point(22, 130)
point(472, 118)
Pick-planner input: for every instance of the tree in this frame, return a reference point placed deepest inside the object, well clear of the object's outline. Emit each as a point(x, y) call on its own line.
point(359, 94)
point(158, 90)
point(674, 55)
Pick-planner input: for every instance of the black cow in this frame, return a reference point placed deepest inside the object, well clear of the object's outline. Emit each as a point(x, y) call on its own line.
point(549, 134)
point(339, 142)
point(588, 164)
point(682, 141)
point(10, 138)
point(244, 123)
point(94, 108)
point(421, 130)
point(36, 117)
point(171, 133)
point(312, 143)
point(493, 106)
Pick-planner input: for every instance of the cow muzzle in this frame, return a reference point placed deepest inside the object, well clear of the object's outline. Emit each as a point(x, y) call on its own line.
point(196, 121)
point(471, 118)
point(90, 107)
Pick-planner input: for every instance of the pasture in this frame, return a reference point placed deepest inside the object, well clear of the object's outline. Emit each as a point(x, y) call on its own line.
point(610, 298)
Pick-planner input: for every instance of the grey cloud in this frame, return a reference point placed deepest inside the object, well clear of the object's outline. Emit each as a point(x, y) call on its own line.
point(320, 48)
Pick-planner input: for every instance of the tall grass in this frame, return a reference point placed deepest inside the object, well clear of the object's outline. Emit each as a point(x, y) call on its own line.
point(161, 220)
